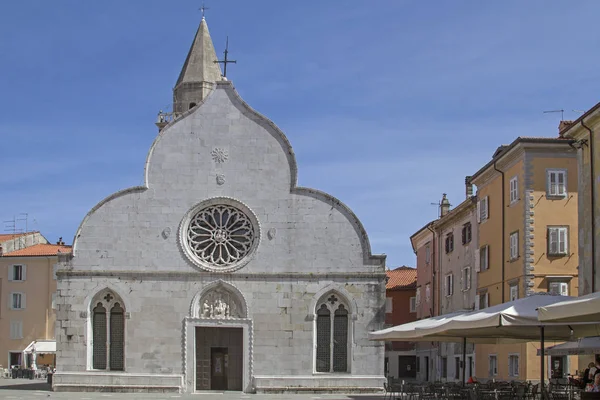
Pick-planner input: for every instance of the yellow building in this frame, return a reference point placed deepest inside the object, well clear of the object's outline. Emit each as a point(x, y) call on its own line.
point(527, 238)
point(585, 133)
point(27, 290)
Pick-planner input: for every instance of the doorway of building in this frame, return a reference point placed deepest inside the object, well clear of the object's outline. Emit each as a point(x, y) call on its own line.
point(557, 366)
point(219, 361)
point(469, 366)
point(426, 363)
point(14, 359)
point(407, 367)
point(219, 358)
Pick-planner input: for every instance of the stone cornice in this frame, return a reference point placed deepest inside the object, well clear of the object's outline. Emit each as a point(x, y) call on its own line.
point(575, 130)
point(194, 276)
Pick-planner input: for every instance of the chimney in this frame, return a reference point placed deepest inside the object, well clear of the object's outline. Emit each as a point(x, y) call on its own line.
point(468, 187)
point(60, 242)
point(444, 206)
point(562, 125)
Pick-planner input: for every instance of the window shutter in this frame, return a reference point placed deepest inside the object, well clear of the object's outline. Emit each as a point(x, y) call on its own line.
point(552, 240)
point(477, 261)
point(23, 303)
point(487, 207)
point(468, 278)
point(487, 300)
point(487, 257)
point(11, 301)
point(552, 183)
point(562, 240)
point(561, 183)
point(451, 284)
point(24, 272)
point(11, 273)
point(463, 279)
point(479, 211)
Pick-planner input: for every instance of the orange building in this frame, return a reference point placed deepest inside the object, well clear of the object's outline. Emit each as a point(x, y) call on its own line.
point(400, 308)
point(527, 236)
point(27, 290)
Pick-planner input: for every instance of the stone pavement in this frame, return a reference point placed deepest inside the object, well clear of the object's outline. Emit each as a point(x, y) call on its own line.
point(23, 389)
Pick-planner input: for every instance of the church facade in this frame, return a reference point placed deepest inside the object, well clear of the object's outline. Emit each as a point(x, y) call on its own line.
point(220, 273)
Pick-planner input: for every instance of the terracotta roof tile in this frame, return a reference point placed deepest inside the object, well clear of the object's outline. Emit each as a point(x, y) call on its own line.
point(10, 236)
point(39, 250)
point(401, 278)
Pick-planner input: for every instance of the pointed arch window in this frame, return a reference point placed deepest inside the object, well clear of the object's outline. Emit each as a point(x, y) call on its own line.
point(332, 330)
point(108, 333)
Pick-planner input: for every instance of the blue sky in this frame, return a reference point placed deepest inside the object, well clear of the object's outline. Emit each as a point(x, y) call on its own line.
point(387, 103)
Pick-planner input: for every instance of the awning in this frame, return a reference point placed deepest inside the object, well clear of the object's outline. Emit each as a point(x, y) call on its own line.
point(579, 309)
point(513, 321)
point(408, 332)
point(41, 347)
point(583, 346)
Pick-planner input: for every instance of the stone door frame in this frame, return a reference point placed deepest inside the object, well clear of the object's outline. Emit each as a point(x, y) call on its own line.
point(189, 348)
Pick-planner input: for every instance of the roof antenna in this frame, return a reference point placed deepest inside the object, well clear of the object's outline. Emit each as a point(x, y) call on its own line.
point(562, 113)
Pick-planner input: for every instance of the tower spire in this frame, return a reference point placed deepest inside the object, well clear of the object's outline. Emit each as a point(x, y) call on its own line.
point(199, 72)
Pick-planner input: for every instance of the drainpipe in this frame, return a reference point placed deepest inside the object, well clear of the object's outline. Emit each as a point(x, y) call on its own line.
point(503, 229)
point(592, 211)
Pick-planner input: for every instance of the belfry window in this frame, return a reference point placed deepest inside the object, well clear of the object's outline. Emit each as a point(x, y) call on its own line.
point(108, 333)
point(332, 328)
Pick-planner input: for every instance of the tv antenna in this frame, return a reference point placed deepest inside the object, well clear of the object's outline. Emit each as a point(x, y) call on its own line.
point(562, 113)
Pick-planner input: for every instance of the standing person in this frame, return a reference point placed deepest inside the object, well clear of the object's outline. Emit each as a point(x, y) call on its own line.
point(586, 374)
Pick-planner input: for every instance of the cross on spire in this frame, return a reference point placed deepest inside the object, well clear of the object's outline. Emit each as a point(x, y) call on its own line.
point(203, 9)
point(225, 60)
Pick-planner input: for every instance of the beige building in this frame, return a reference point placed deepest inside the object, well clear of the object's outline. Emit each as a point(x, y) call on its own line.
point(584, 132)
point(457, 233)
point(27, 290)
point(527, 238)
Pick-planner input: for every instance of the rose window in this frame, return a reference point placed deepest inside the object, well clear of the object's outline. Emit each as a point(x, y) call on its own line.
point(220, 236)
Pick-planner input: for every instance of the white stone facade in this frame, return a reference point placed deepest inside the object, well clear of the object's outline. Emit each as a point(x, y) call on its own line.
point(307, 245)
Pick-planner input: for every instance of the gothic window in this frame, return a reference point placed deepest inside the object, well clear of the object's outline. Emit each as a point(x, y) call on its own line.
point(332, 328)
point(108, 333)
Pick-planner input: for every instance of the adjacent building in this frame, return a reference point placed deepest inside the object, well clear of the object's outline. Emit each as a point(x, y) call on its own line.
point(27, 295)
point(457, 233)
point(584, 132)
point(425, 244)
point(400, 308)
point(527, 203)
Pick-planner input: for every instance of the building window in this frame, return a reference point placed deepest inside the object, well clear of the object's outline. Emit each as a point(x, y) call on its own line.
point(17, 301)
point(449, 284)
point(16, 329)
point(557, 241)
point(388, 305)
point(484, 258)
point(413, 304)
point(418, 364)
point(514, 245)
point(483, 207)
point(418, 296)
point(466, 278)
point(514, 189)
point(559, 288)
point(427, 293)
point(332, 334)
point(16, 272)
point(449, 243)
point(467, 234)
point(557, 183)
point(493, 365)
point(514, 292)
point(444, 367)
point(484, 299)
point(108, 333)
point(427, 254)
point(513, 365)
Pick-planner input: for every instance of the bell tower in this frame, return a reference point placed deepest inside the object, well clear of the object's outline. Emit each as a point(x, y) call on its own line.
point(199, 73)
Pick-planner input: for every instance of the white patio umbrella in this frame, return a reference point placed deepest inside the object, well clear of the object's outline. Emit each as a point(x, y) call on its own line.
point(578, 309)
point(408, 332)
point(583, 346)
point(513, 320)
